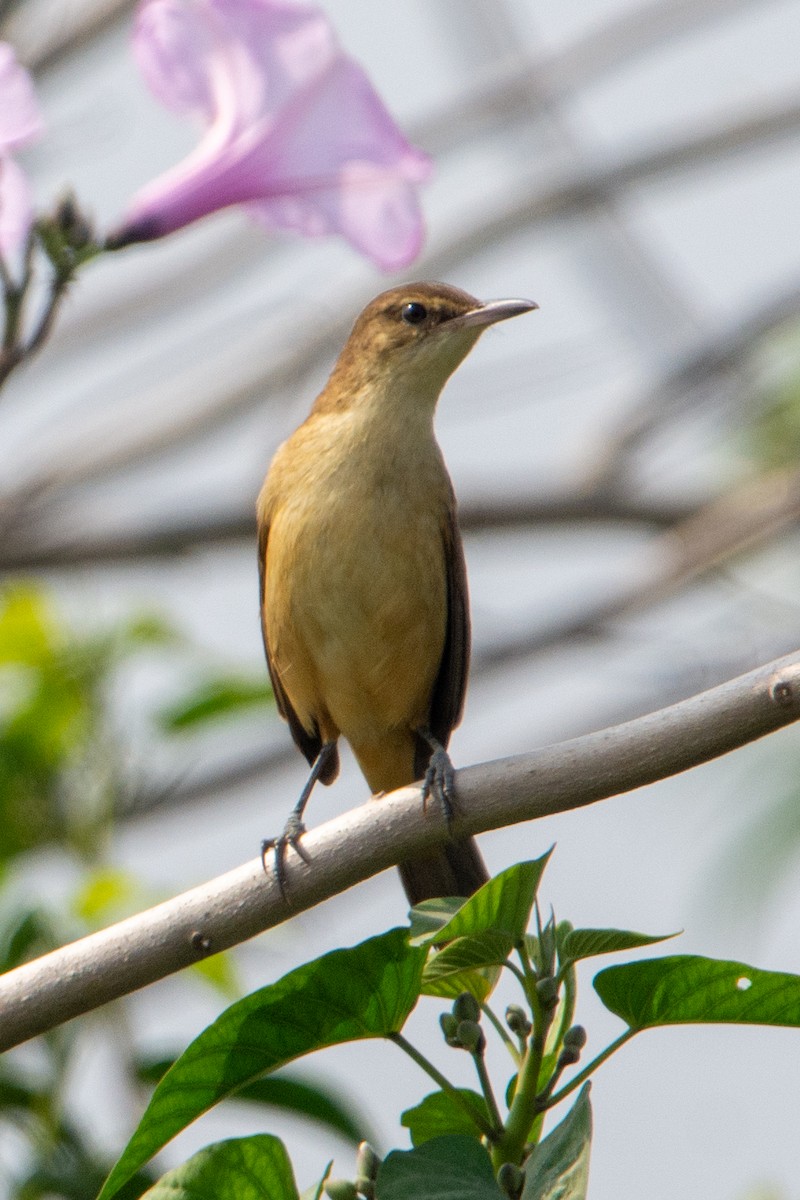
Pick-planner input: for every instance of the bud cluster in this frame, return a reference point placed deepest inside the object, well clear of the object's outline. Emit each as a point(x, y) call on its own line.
point(461, 1027)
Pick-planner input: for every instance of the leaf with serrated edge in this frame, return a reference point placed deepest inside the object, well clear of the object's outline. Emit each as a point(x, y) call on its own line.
point(363, 992)
point(503, 904)
point(249, 1168)
point(686, 989)
point(558, 1169)
point(446, 1168)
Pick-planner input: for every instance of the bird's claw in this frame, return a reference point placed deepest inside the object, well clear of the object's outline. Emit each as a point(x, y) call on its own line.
point(291, 836)
point(440, 782)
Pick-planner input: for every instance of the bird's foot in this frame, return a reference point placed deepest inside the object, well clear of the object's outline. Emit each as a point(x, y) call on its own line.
point(279, 846)
point(294, 828)
point(440, 782)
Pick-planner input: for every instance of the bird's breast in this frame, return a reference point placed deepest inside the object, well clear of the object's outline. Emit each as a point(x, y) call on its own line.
point(355, 598)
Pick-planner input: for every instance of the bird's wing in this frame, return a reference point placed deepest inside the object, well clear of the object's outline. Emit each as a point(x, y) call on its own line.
point(309, 744)
point(449, 689)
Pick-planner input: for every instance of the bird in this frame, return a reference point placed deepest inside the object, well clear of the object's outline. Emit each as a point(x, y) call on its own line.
point(364, 606)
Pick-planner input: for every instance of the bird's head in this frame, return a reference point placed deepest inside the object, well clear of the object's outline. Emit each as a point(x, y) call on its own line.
point(414, 336)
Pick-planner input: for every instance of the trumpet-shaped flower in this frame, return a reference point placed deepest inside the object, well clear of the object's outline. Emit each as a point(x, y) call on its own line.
point(20, 123)
point(294, 131)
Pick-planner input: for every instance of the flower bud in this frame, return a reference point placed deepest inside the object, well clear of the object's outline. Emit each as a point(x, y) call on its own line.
point(470, 1036)
point(568, 1057)
point(547, 991)
point(449, 1026)
point(511, 1180)
point(71, 222)
point(367, 1164)
point(517, 1020)
point(466, 1007)
point(340, 1189)
point(576, 1036)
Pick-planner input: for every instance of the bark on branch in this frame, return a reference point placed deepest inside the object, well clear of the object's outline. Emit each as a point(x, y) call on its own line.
point(236, 906)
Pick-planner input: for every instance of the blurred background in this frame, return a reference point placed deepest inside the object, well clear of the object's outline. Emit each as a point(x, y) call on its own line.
point(628, 467)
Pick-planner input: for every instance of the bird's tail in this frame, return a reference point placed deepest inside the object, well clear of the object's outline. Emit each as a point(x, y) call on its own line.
point(455, 869)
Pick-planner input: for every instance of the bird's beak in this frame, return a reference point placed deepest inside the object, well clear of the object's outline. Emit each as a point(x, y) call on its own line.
point(491, 312)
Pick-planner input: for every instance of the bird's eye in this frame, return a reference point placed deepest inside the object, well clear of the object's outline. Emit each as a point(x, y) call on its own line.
point(414, 313)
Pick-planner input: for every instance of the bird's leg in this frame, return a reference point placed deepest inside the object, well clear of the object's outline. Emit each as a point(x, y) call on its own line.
point(294, 827)
point(439, 779)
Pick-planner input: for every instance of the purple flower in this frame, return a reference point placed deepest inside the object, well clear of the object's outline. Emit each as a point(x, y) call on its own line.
point(294, 130)
point(20, 122)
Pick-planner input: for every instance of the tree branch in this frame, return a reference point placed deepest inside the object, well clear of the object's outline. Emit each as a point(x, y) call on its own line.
point(24, 548)
point(586, 188)
point(236, 906)
point(735, 523)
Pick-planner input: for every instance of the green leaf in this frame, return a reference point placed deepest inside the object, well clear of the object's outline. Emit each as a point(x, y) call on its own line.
point(487, 949)
point(148, 629)
point(214, 698)
point(469, 964)
point(248, 1168)
point(219, 972)
point(306, 1100)
point(688, 989)
point(503, 905)
point(558, 1169)
point(589, 943)
point(302, 1097)
point(315, 1192)
point(105, 894)
point(447, 1168)
point(429, 917)
point(27, 628)
point(363, 992)
point(439, 1114)
point(25, 935)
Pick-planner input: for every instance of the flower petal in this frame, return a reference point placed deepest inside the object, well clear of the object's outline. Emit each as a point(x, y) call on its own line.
point(173, 46)
point(16, 210)
point(20, 118)
point(339, 164)
point(295, 129)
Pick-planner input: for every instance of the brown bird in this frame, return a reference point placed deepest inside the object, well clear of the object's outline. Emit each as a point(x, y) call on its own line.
point(363, 587)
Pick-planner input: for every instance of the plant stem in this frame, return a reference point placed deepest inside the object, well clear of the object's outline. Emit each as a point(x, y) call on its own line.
point(503, 1033)
point(488, 1092)
point(445, 1084)
point(589, 1069)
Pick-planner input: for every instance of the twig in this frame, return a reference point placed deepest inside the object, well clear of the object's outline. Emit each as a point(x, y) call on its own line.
point(27, 550)
point(574, 193)
point(106, 965)
point(734, 523)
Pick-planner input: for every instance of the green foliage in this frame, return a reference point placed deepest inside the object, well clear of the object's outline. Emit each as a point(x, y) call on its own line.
point(364, 992)
point(463, 1144)
point(249, 1168)
point(467, 964)
point(452, 1167)
point(64, 779)
point(441, 1113)
point(560, 1167)
point(576, 944)
point(773, 430)
point(61, 762)
point(503, 905)
point(687, 989)
point(215, 697)
point(284, 1091)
